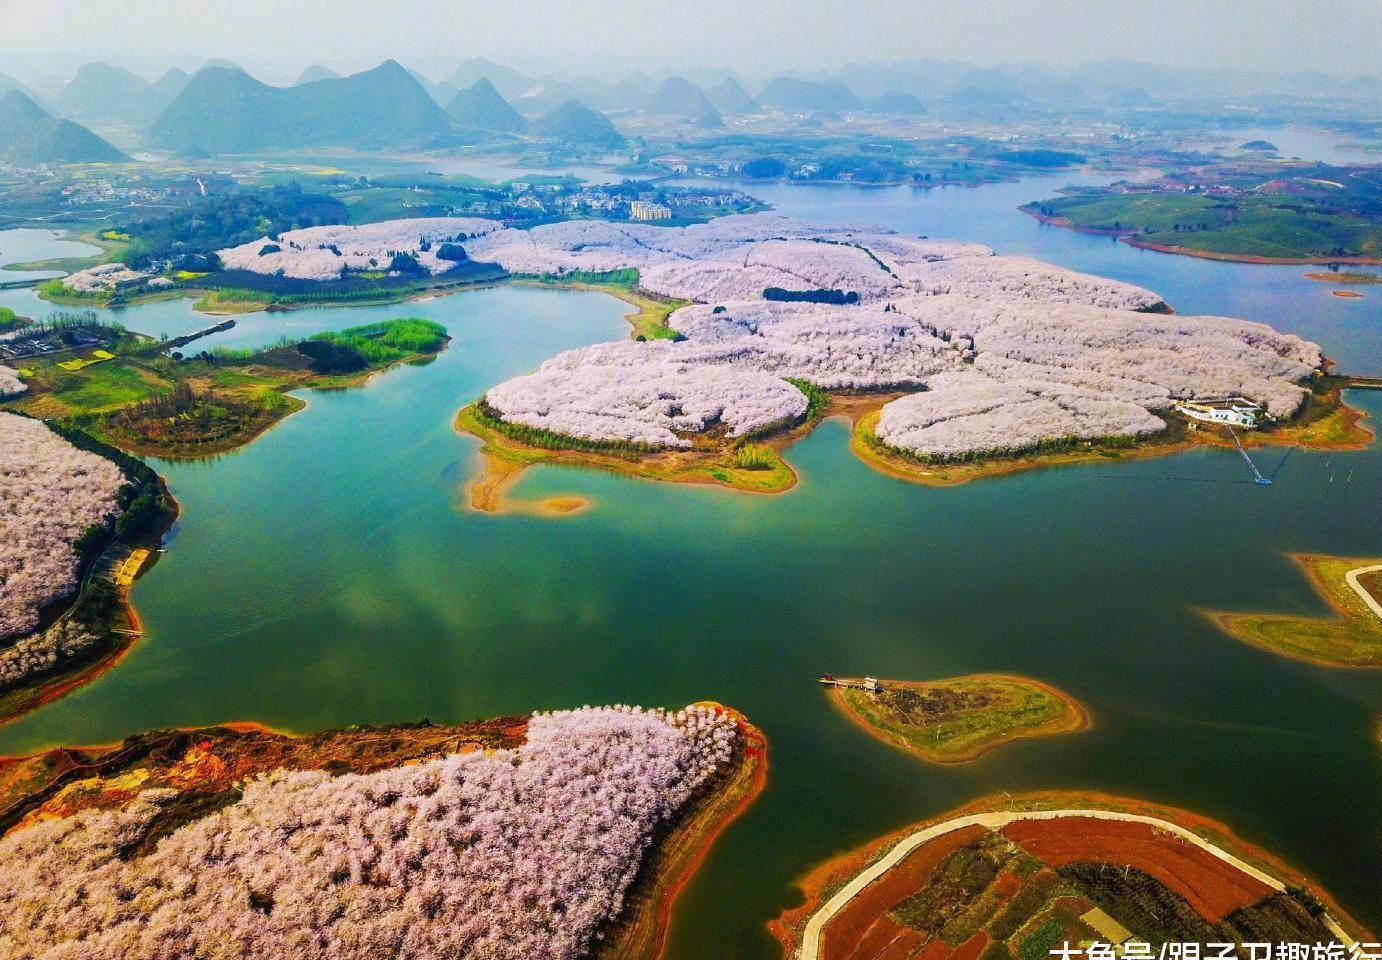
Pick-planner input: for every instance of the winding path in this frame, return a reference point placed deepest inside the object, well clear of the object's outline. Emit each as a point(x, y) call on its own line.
point(815, 927)
point(1352, 578)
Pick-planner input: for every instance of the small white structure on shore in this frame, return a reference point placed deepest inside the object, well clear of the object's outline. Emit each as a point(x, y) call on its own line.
point(1233, 411)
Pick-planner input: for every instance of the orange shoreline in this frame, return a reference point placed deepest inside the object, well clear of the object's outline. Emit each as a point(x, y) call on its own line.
point(1077, 721)
point(820, 881)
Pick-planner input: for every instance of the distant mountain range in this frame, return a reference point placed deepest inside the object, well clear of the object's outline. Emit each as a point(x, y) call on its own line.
point(29, 135)
point(228, 111)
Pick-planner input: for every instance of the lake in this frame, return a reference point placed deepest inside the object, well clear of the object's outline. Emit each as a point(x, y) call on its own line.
point(329, 574)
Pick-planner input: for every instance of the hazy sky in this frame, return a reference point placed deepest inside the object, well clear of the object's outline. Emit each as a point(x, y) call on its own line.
point(278, 37)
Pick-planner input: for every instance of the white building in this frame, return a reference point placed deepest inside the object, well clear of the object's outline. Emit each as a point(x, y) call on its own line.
point(647, 210)
point(1234, 412)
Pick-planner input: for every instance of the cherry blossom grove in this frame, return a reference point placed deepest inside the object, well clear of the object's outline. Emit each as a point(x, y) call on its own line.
point(516, 853)
point(1093, 351)
point(50, 493)
point(321, 253)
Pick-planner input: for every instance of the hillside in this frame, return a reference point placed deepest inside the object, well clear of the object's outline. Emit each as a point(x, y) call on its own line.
point(480, 107)
point(730, 97)
point(573, 122)
point(29, 135)
point(678, 98)
point(228, 111)
point(102, 92)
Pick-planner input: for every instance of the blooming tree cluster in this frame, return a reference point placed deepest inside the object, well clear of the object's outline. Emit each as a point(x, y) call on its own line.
point(1081, 353)
point(966, 411)
point(322, 253)
point(39, 653)
point(10, 384)
point(516, 854)
point(50, 493)
point(1023, 278)
point(645, 394)
point(101, 278)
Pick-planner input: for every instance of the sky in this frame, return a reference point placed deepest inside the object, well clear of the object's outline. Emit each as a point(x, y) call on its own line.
point(277, 38)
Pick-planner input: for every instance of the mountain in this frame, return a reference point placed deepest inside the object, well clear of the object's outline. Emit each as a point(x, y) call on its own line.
point(894, 103)
point(480, 107)
point(316, 72)
point(442, 92)
point(807, 96)
point(730, 97)
point(677, 98)
point(102, 92)
point(228, 111)
point(8, 83)
point(170, 84)
point(29, 136)
point(574, 122)
point(508, 81)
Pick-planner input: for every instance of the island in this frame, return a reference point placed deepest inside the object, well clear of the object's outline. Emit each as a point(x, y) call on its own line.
point(960, 719)
point(564, 834)
point(1017, 876)
point(951, 360)
point(1351, 638)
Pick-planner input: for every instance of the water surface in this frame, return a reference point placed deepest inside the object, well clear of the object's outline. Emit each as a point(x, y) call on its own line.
point(329, 574)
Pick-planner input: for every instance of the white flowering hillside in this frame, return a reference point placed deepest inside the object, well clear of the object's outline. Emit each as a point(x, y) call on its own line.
point(10, 384)
point(846, 308)
point(1023, 278)
point(509, 855)
point(321, 253)
point(645, 394)
point(50, 493)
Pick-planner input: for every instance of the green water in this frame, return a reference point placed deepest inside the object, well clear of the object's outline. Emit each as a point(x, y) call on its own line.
point(328, 575)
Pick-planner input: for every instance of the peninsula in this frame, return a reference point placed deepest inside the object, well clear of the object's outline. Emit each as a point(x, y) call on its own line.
point(618, 805)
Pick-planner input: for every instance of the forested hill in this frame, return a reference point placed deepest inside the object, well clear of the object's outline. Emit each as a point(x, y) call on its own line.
point(29, 135)
point(228, 111)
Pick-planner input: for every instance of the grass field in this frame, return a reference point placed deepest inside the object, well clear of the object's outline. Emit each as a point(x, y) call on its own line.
point(1269, 227)
point(1351, 638)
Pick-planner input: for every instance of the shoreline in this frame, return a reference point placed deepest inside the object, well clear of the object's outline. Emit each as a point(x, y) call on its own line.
point(1130, 238)
point(25, 698)
point(641, 930)
point(830, 876)
point(1077, 719)
point(1337, 426)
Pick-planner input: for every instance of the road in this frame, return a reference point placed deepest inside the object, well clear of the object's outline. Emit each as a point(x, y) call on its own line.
point(1352, 578)
point(811, 937)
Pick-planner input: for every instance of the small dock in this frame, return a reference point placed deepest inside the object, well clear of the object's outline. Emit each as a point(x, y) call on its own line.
point(869, 684)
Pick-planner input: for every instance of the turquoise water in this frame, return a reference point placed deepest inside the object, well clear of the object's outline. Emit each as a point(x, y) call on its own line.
point(24, 245)
point(328, 574)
